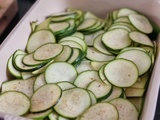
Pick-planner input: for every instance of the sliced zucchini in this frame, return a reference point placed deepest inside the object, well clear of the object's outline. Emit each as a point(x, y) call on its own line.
point(73, 103)
point(97, 65)
point(42, 69)
point(76, 56)
point(134, 92)
point(14, 102)
point(40, 81)
point(140, 38)
point(142, 81)
point(121, 72)
point(16, 73)
point(45, 97)
point(29, 60)
point(18, 64)
point(47, 51)
point(125, 12)
point(71, 43)
point(38, 115)
point(93, 97)
point(116, 93)
point(122, 19)
point(84, 65)
point(59, 27)
point(62, 118)
point(99, 45)
point(26, 75)
point(38, 39)
point(138, 102)
point(94, 55)
point(126, 110)
point(65, 85)
point(60, 71)
point(141, 23)
point(75, 39)
point(100, 111)
point(100, 89)
point(102, 75)
point(65, 54)
point(116, 39)
point(139, 57)
point(87, 23)
point(79, 35)
point(43, 25)
point(84, 78)
point(53, 116)
point(24, 86)
point(89, 39)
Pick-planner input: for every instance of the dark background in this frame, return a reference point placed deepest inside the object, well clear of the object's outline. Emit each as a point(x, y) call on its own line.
point(23, 7)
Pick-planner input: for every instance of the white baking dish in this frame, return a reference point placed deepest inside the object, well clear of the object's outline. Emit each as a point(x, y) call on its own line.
point(18, 37)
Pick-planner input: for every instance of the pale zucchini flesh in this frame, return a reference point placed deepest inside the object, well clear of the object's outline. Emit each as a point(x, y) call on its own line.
point(45, 97)
point(14, 102)
point(39, 38)
point(100, 111)
point(126, 110)
point(73, 102)
point(60, 71)
point(48, 51)
point(121, 72)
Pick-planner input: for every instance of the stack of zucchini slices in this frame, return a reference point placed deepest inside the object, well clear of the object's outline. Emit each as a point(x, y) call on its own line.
point(79, 66)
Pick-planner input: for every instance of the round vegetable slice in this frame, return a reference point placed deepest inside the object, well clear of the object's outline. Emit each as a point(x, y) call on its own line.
point(100, 111)
point(121, 72)
point(60, 71)
point(14, 102)
point(38, 39)
point(139, 57)
point(140, 38)
point(116, 39)
point(47, 51)
point(45, 97)
point(73, 102)
point(126, 110)
point(141, 23)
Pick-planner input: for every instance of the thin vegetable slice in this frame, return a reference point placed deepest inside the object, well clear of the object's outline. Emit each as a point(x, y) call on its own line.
point(100, 111)
point(121, 72)
point(14, 102)
point(45, 97)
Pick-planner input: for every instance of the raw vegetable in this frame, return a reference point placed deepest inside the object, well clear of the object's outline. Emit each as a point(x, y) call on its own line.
point(79, 66)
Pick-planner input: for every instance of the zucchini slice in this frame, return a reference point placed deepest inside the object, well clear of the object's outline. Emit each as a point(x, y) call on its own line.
point(95, 55)
point(45, 97)
point(141, 23)
point(65, 85)
point(125, 12)
point(100, 89)
point(47, 51)
point(84, 78)
point(126, 110)
point(100, 111)
point(24, 86)
point(121, 72)
point(14, 102)
point(38, 115)
point(65, 54)
point(38, 39)
point(140, 38)
point(73, 103)
point(139, 57)
point(40, 81)
point(60, 71)
point(116, 39)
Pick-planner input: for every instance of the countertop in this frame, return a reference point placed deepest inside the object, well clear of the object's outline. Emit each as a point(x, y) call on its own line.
point(24, 6)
